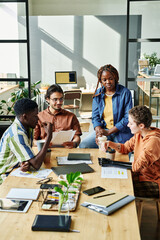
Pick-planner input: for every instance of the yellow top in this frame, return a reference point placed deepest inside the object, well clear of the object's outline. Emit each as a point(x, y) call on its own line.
point(108, 112)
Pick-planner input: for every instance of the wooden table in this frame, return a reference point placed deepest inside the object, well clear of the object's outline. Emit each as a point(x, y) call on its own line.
point(122, 224)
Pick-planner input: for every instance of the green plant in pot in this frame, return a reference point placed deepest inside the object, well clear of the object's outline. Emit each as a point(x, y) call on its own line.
point(153, 61)
point(7, 106)
point(73, 180)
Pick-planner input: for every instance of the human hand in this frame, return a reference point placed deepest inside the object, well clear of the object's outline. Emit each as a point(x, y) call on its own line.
point(24, 166)
point(99, 131)
point(69, 144)
point(48, 127)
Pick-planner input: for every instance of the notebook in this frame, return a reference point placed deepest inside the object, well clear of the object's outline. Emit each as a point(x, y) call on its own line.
point(64, 161)
point(82, 167)
point(23, 193)
point(106, 201)
point(52, 223)
point(79, 156)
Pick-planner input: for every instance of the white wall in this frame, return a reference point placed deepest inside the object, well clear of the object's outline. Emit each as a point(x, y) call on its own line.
point(79, 43)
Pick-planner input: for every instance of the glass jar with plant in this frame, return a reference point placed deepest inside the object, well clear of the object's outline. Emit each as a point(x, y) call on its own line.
point(73, 181)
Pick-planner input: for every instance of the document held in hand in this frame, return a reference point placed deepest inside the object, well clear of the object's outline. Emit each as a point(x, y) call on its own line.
point(58, 138)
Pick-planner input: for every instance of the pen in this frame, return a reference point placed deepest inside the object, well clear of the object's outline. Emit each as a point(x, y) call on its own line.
point(104, 195)
point(73, 230)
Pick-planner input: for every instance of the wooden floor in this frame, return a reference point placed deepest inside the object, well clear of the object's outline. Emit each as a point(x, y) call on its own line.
point(150, 227)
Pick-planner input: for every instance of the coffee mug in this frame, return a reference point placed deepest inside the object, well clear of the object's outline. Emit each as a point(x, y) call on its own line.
point(110, 153)
point(40, 144)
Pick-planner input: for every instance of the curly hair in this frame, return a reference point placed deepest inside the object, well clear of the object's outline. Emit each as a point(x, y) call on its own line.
point(141, 114)
point(24, 105)
point(113, 71)
point(53, 88)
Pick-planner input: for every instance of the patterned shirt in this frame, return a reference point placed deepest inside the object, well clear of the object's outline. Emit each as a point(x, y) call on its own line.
point(15, 147)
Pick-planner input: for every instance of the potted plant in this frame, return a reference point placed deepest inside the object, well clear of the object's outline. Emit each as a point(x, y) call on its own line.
point(45, 86)
point(7, 106)
point(73, 180)
point(153, 61)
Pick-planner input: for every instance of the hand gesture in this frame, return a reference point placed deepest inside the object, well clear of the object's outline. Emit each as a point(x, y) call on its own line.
point(48, 129)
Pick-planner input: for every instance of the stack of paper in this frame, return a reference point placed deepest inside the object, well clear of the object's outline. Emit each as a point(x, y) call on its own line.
point(23, 193)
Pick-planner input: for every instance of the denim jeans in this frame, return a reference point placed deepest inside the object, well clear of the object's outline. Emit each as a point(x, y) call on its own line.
point(89, 141)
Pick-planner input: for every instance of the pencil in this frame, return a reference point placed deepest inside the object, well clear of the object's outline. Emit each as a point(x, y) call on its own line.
point(104, 195)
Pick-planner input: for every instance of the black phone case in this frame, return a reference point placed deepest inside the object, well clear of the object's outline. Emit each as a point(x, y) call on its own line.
point(49, 186)
point(89, 194)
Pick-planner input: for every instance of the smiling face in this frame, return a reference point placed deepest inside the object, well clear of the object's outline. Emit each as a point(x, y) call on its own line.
point(55, 101)
point(108, 81)
point(133, 125)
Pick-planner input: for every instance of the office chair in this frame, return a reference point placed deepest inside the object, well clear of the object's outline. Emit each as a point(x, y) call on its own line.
point(73, 96)
point(140, 201)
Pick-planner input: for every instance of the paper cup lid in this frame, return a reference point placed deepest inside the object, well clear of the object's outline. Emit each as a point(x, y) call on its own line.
point(103, 138)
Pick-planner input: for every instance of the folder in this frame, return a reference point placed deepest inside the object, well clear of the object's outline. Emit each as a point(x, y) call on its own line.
point(52, 223)
point(111, 208)
point(79, 156)
point(82, 167)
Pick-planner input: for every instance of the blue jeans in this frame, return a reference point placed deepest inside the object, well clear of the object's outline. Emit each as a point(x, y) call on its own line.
point(89, 142)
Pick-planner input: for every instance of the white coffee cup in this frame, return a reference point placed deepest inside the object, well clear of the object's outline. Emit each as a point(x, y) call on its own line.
point(110, 154)
point(101, 140)
point(40, 144)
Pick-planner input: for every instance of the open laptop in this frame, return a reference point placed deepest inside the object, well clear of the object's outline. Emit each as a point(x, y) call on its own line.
point(157, 71)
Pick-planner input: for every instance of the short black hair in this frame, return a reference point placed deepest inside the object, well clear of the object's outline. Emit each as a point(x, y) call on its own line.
point(24, 105)
point(141, 114)
point(53, 88)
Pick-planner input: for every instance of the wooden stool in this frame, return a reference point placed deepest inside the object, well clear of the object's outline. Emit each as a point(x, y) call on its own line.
point(140, 202)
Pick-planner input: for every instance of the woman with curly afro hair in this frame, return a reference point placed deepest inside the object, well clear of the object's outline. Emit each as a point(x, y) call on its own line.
point(111, 103)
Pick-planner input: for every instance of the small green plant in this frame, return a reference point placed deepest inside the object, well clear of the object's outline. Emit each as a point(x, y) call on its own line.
point(7, 106)
point(72, 180)
point(153, 59)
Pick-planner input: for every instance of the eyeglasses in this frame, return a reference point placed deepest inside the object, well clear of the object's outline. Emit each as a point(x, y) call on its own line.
point(57, 99)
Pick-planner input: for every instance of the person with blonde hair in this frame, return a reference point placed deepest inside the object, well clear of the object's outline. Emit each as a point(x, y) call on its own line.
point(111, 103)
point(145, 144)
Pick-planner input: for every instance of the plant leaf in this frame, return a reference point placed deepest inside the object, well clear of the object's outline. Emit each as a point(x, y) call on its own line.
point(63, 183)
point(57, 189)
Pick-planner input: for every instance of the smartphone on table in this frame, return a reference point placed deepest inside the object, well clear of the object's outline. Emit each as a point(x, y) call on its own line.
point(93, 191)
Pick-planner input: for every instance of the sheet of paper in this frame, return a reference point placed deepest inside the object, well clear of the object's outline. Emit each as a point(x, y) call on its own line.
point(113, 172)
point(42, 173)
point(60, 137)
point(23, 193)
point(64, 161)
